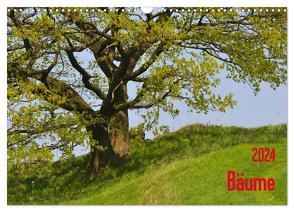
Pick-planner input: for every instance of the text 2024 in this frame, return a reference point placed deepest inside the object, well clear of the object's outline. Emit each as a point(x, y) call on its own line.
point(263, 154)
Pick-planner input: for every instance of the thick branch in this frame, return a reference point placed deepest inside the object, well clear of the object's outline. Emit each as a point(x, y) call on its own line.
point(74, 102)
point(85, 75)
point(46, 72)
point(134, 104)
point(148, 63)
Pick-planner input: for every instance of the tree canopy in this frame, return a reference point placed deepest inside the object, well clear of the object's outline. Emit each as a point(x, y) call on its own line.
point(69, 68)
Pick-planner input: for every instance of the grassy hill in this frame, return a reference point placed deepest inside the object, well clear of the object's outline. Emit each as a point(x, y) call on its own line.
point(188, 166)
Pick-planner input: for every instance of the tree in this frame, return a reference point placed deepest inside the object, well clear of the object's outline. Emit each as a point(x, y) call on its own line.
point(69, 71)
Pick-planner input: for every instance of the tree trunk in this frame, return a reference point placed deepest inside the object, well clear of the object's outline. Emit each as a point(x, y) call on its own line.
point(101, 154)
point(119, 134)
point(114, 141)
point(113, 138)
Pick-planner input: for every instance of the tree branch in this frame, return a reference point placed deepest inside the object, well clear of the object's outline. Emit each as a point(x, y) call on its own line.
point(74, 102)
point(85, 76)
point(148, 63)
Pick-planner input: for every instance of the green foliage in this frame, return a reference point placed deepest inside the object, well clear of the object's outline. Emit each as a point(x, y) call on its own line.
point(36, 129)
point(137, 134)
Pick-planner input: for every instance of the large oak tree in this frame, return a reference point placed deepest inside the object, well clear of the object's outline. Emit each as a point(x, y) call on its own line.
point(69, 71)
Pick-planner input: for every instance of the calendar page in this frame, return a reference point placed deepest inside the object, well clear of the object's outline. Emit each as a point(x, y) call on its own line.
point(147, 105)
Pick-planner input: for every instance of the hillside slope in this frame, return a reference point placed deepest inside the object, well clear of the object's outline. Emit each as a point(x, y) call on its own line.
point(184, 167)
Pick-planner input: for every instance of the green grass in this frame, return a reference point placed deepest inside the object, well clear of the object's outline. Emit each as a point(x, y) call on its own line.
point(187, 167)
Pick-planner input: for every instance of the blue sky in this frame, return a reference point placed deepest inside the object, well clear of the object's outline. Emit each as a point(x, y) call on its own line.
point(267, 107)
